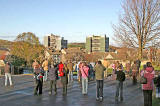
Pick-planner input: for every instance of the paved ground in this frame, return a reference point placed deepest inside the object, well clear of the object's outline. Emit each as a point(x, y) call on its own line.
point(22, 94)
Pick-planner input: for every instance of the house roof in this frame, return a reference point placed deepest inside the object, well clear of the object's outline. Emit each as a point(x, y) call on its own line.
point(3, 54)
point(73, 50)
point(2, 57)
point(109, 56)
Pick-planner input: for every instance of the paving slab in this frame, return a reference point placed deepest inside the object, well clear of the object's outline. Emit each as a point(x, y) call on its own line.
point(21, 94)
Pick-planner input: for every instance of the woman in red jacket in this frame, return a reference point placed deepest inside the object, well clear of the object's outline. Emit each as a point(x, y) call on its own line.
point(148, 88)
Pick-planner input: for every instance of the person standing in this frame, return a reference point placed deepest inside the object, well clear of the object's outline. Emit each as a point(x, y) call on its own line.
point(45, 68)
point(84, 74)
point(113, 65)
point(117, 65)
point(149, 73)
point(52, 77)
point(7, 70)
point(38, 76)
point(138, 63)
point(128, 68)
point(134, 73)
point(35, 65)
point(63, 71)
point(119, 83)
point(70, 68)
point(79, 72)
point(158, 87)
point(105, 64)
point(99, 72)
point(91, 71)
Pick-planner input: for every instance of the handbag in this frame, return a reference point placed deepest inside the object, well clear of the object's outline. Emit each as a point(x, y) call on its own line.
point(143, 80)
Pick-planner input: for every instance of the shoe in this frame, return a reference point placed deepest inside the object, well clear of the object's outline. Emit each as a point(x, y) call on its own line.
point(55, 93)
point(11, 86)
point(121, 99)
point(64, 94)
point(84, 94)
point(97, 99)
point(116, 99)
point(49, 93)
point(35, 94)
point(101, 99)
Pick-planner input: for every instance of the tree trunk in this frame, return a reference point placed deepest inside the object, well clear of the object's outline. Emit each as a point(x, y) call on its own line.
point(140, 52)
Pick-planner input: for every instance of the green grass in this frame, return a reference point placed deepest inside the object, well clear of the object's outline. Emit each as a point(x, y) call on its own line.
point(156, 102)
point(155, 67)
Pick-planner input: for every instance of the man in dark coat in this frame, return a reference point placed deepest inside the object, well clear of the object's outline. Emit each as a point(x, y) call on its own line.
point(119, 83)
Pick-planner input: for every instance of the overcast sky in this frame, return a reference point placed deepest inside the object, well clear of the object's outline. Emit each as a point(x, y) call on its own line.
point(72, 19)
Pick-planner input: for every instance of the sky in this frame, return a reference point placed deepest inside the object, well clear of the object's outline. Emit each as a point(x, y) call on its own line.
point(71, 19)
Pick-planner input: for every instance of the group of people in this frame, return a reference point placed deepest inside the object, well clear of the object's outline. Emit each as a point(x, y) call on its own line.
point(55, 72)
point(131, 70)
point(147, 72)
point(63, 72)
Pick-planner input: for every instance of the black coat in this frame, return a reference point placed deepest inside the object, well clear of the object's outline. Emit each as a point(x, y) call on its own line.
point(64, 79)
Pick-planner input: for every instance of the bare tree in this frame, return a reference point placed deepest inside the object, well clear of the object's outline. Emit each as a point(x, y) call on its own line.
point(139, 24)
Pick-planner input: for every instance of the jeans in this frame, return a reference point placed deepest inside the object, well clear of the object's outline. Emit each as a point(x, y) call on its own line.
point(91, 75)
point(119, 89)
point(99, 88)
point(70, 76)
point(38, 86)
point(84, 85)
point(77, 74)
point(53, 85)
point(147, 97)
point(65, 89)
point(8, 76)
point(64, 82)
point(45, 75)
point(134, 80)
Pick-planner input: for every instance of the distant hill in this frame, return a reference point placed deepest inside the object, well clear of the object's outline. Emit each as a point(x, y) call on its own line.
point(5, 43)
point(81, 45)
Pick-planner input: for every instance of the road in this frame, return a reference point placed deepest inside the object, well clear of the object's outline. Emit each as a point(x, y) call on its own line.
point(21, 94)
